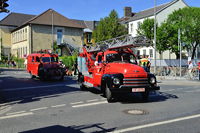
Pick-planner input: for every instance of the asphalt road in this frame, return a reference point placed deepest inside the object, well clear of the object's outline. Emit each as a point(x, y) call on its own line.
point(33, 106)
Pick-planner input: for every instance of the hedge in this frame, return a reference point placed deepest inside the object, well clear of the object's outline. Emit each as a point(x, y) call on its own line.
point(69, 61)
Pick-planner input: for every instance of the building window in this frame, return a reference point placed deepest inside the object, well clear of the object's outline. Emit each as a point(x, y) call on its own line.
point(131, 28)
point(151, 53)
point(138, 24)
point(59, 36)
point(144, 52)
point(89, 37)
point(26, 33)
point(138, 53)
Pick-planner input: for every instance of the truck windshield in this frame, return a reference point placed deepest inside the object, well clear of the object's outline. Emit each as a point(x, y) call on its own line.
point(123, 57)
point(49, 59)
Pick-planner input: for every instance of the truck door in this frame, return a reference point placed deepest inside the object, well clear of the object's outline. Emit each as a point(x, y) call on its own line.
point(98, 71)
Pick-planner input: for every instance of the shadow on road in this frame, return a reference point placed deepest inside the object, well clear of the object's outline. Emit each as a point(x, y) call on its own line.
point(95, 128)
point(137, 98)
point(25, 90)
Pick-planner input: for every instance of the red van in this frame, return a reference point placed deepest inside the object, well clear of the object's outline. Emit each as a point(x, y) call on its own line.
point(45, 66)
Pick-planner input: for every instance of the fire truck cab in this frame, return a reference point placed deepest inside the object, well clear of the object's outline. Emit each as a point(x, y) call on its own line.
point(45, 66)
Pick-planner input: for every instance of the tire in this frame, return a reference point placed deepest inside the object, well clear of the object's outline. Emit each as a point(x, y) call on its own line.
point(81, 80)
point(145, 96)
point(32, 76)
point(61, 78)
point(82, 87)
point(108, 94)
point(41, 74)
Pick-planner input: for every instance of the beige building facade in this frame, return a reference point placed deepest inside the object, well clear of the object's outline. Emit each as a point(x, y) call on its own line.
point(41, 32)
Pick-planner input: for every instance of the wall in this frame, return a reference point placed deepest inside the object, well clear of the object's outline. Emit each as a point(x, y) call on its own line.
point(5, 34)
point(42, 36)
point(20, 42)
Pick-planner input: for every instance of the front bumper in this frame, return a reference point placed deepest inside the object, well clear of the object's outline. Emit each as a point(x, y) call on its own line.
point(55, 72)
point(128, 89)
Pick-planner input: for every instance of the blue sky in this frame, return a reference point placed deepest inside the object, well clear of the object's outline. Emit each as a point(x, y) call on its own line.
point(84, 9)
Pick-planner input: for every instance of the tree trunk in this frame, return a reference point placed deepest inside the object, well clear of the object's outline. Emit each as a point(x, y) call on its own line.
point(194, 50)
point(177, 55)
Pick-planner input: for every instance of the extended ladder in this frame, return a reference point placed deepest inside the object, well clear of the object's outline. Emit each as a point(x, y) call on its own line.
point(122, 41)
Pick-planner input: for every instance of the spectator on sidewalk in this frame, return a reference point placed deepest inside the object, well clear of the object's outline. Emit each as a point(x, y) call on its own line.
point(190, 69)
point(145, 63)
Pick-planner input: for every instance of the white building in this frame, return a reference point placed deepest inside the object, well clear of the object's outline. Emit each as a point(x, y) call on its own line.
point(162, 12)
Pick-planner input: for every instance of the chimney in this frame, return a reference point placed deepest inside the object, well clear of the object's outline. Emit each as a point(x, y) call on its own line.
point(127, 12)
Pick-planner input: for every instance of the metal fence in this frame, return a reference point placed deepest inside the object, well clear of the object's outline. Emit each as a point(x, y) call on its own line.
point(171, 69)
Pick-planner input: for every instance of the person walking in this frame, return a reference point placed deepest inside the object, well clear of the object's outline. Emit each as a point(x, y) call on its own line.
point(190, 69)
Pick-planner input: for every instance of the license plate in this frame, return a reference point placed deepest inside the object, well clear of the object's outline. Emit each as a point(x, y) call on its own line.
point(138, 89)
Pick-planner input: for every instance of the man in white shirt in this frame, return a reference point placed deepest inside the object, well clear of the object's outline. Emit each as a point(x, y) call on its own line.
point(190, 69)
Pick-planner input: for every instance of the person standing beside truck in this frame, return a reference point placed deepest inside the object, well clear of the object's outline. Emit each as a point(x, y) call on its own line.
point(144, 62)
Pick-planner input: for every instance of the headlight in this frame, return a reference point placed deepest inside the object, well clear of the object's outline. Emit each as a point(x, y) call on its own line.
point(116, 81)
point(152, 80)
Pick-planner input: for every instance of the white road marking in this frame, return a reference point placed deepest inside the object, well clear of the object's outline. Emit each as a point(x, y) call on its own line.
point(157, 124)
point(57, 106)
point(5, 108)
point(42, 108)
point(89, 104)
point(25, 88)
point(103, 98)
point(193, 91)
point(40, 97)
point(77, 102)
point(14, 116)
point(169, 90)
point(14, 113)
point(93, 100)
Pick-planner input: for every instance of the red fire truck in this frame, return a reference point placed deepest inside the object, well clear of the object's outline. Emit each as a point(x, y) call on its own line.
point(112, 67)
point(45, 65)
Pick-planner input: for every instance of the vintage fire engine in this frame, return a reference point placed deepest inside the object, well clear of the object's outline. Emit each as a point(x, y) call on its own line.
point(112, 67)
point(45, 65)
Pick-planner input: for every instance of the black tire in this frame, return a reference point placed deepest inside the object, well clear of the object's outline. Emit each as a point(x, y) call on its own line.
point(61, 78)
point(81, 80)
point(108, 94)
point(32, 76)
point(145, 96)
point(41, 74)
point(82, 87)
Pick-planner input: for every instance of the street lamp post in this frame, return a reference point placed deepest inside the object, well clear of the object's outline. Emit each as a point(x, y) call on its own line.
point(154, 36)
point(52, 28)
point(180, 48)
point(0, 42)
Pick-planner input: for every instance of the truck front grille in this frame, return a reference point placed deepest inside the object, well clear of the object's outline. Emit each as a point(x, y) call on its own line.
point(135, 82)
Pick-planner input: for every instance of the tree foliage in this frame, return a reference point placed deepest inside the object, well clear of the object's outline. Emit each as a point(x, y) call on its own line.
point(108, 28)
point(147, 29)
point(187, 20)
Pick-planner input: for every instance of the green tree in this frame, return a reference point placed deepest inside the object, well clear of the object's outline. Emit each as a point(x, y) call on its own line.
point(109, 27)
point(147, 29)
point(187, 20)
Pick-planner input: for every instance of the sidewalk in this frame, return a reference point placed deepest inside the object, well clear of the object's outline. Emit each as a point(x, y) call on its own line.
point(176, 80)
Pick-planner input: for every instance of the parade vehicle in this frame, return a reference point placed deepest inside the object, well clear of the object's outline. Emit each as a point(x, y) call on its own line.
point(45, 65)
point(112, 67)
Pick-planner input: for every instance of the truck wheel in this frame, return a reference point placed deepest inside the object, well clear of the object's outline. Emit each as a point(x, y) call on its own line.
point(61, 78)
point(145, 96)
point(32, 76)
point(41, 74)
point(108, 94)
point(82, 87)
